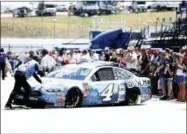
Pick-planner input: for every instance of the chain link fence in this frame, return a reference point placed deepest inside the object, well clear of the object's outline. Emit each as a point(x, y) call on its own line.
point(64, 26)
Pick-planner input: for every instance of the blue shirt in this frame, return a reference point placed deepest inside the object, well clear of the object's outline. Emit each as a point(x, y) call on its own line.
point(29, 68)
point(2, 57)
point(11, 59)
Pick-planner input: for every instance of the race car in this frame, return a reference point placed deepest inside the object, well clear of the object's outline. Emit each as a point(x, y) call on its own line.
point(88, 84)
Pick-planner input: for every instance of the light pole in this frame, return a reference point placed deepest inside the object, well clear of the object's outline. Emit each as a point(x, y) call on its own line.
point(13, 25)
point(163, 22)
point(157, 20)
point(148, 27)
point(82, 24)
point(170, 22)
point(41, 26)
point(54, 29)
point(145, 28)
point(68, 26)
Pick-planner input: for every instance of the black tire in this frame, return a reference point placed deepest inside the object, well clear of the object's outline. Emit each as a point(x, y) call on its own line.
point(73, 98)
point(132, 96)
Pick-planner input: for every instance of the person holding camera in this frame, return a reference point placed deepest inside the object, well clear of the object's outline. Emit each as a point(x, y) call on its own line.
point(168, 79)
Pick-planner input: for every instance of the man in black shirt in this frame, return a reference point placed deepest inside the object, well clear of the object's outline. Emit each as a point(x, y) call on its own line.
point(107, 55)
point(145, 63)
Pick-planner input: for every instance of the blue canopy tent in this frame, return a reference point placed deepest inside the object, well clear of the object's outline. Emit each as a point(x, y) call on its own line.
point(112, 39)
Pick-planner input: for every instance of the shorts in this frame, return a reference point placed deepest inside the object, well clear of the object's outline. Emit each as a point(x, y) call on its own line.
point(166, 83)
point(180, 79)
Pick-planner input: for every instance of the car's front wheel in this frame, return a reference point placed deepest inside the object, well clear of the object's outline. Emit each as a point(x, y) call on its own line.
point(73, 98)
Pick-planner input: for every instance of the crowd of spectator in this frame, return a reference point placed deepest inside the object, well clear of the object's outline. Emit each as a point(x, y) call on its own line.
point(166, 69)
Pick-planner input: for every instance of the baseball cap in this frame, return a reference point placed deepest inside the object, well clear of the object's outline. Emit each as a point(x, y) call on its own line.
point(106, 49)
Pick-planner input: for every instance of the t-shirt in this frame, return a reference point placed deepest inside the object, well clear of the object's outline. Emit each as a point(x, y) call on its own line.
point(85, 58)
point(29, 68)
point(107, 57)
point(166, 72)
point(95, 57)
point(2, 57)
point(132, 65)
point(145, 61)
point(11, 59)
point(48, 62)
point(179, 71)
point(161, 71)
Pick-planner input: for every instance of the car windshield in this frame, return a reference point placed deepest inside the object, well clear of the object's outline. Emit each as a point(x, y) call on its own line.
point(75, 73)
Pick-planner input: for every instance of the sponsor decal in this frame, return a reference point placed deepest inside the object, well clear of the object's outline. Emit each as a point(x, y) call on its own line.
point(147, 95)
point(122, 92)
point(137, 83)
point(33, 98)
point(86, 87)
point(59, 99)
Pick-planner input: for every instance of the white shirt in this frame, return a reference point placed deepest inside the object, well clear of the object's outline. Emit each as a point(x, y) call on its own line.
point(132, 65)
point(95, 57)
point(76, 58)
point(180, 71)
point(85, 58)
point(48, 62)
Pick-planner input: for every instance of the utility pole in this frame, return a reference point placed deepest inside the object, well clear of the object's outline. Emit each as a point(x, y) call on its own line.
point(54, 29)
point(68, 26)
point(157, 20)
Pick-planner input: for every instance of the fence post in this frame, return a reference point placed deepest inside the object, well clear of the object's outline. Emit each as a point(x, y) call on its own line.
point(13, 25)
point(68, 26)
point(54, 29)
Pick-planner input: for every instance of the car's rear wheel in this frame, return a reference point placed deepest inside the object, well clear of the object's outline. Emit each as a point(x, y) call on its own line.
point(133, 96)
point(73, 98)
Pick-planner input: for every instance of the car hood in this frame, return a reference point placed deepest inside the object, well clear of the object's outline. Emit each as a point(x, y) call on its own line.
point(55, 83)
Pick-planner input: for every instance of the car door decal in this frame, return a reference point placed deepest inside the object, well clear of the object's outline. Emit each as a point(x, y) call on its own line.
point(107, 93)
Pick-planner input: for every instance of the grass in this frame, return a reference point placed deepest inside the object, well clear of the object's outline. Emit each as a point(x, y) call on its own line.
point(73, 27)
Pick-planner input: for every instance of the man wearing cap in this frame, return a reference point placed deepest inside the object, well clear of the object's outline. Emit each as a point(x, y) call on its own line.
point(22, 74)
point(131, 59)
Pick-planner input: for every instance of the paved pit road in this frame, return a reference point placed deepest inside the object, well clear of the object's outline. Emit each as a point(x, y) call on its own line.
point(152, 117)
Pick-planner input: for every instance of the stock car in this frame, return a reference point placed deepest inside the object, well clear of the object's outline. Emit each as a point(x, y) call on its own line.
point(88, 84)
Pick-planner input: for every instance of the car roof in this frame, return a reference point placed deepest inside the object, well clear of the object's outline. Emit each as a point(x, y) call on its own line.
point(90, 65)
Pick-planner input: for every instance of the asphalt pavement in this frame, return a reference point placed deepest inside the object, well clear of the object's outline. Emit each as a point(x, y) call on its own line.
point(154, 116)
